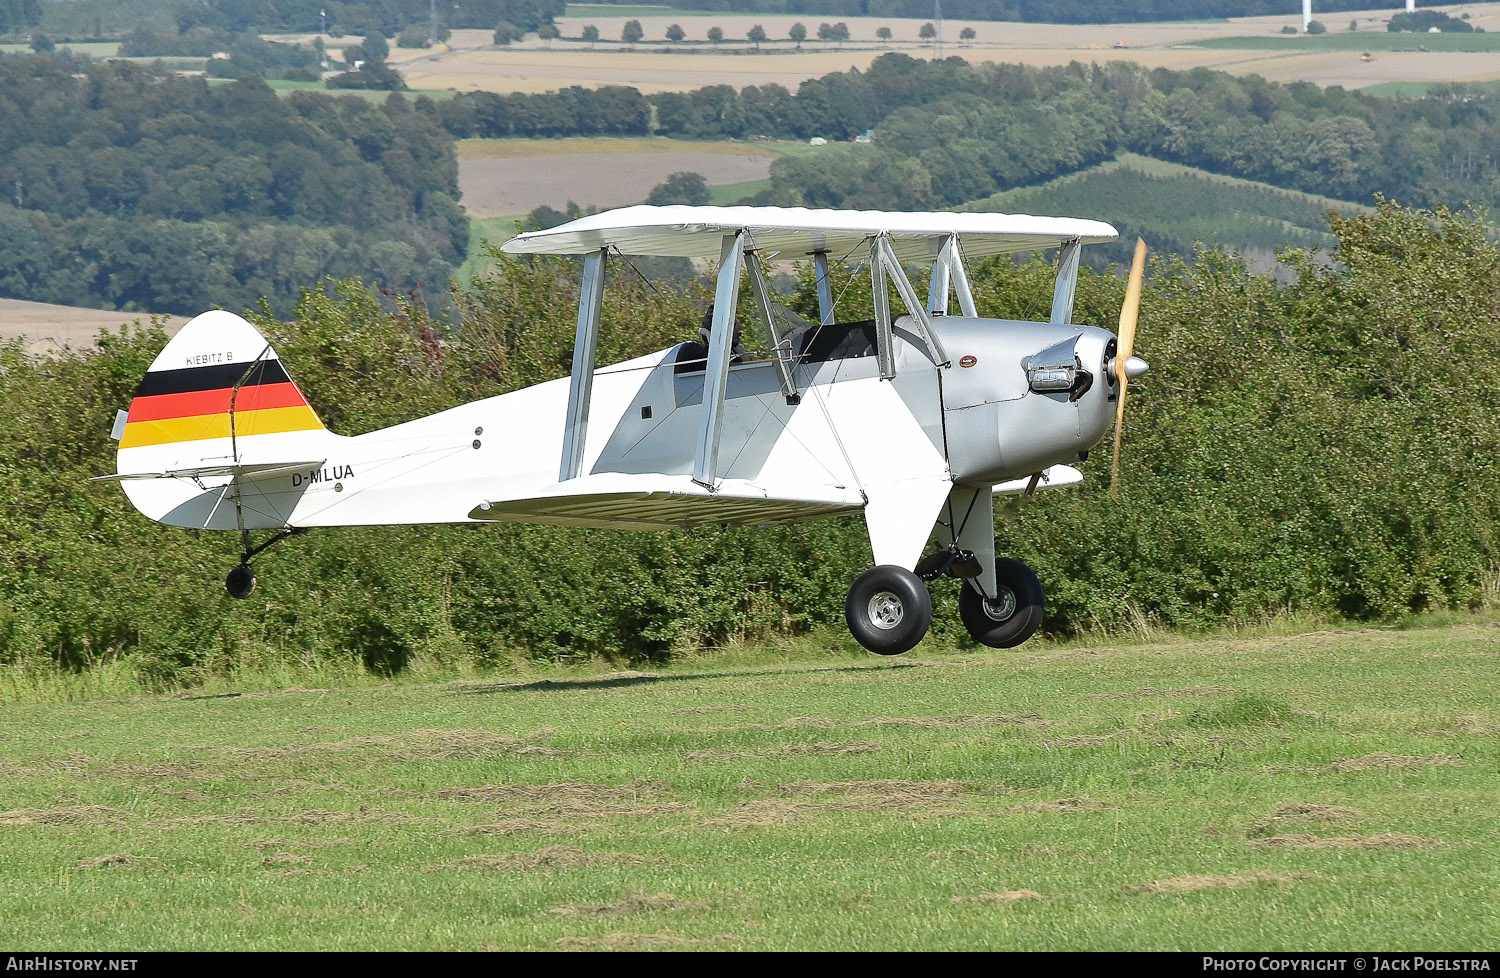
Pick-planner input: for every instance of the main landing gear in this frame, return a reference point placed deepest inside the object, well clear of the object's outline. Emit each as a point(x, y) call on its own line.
point(889, 608)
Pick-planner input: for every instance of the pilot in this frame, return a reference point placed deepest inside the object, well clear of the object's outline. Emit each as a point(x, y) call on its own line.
point(736, 348)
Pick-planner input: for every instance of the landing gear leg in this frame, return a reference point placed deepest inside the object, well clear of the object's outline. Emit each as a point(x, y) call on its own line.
point(241, 581)
point(888, 610)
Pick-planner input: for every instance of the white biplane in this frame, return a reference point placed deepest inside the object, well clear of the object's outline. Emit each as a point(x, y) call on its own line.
point(915, 419)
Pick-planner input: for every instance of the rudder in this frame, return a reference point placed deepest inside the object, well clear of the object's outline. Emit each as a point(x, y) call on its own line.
point(217, 379)
point(215, 411)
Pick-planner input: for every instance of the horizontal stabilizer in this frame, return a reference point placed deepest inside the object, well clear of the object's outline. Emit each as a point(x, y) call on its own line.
point(615, 500)
point(262, 470)
point(1055, 477)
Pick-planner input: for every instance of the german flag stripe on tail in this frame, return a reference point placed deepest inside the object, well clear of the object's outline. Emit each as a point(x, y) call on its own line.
point(194, 404)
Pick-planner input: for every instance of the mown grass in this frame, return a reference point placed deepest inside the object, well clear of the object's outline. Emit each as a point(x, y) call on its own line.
point(1324, 790)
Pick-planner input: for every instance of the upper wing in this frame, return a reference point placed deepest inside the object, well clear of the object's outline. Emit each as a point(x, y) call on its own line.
point(698, 232)
point(615, 500)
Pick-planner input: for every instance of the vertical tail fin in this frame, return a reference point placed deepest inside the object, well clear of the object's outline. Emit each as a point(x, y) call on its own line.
point(217, 379)
point(217, 408)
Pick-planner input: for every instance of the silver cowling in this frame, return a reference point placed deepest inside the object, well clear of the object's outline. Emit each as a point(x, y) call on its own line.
point(1035, 395)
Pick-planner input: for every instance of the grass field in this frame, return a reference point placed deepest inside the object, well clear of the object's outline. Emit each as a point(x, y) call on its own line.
point(1361, 41)
point(1419, 89)
point(1332, 790)
point(495, 230)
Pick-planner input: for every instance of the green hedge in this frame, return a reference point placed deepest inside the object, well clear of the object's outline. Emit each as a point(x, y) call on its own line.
point(1328, 447)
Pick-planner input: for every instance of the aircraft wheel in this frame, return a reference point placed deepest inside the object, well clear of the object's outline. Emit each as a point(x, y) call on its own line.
point(240, 582)
point(888, 609)
point(1015, 613)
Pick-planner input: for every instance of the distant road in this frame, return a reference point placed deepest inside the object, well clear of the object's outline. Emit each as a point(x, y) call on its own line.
point(49, 329)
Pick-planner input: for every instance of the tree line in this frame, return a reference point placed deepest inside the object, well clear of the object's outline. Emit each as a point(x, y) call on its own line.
point(947, 132)
point(1323, 449)
point(346, 187)
point(388, 17)
point(138, 190)
point(1035, 11)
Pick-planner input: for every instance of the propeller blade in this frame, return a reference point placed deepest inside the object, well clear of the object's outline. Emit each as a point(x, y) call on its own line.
point(1125, 346)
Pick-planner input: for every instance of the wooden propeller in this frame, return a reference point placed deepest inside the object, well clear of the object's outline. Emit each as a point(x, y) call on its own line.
point(1124, 348)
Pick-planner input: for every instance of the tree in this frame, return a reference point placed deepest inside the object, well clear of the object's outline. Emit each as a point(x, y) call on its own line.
point(715, 35)
point(798, 33)
point(42, 44)
point(376, 47)
point(680, 188)
point(590, 34)
point(1316, 27)
point(548, 33)
point(884, 33)
point(505, 32)
point(927, 32)
point(675, 33)
point(967, 34)
point(756, 34)
point(841, 32)
point(632, 32)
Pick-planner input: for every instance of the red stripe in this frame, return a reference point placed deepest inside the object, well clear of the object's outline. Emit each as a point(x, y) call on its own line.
point(164, 407)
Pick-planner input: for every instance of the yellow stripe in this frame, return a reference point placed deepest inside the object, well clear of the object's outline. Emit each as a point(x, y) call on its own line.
point(268, 422)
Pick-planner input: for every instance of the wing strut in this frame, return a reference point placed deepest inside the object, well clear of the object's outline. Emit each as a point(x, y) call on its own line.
point(716, 376)
point(825, 288)
point(885, 350)
point(883, 263)
point(585, 347)
point(948, 271)
point(782, 347)
point(937, 283)
point(1067, 282)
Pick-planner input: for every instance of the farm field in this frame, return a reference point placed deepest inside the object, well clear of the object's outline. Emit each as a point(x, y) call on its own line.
point(1173, 206)
point(1250, 45)
point(1331, 790)
point(501, 177)
point(48, 328)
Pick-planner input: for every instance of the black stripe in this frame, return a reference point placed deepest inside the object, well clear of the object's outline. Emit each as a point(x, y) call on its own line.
point(213, 377)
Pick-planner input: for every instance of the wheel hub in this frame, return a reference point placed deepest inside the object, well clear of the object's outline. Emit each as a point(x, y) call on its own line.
point(1002, 606)
point(886, 610)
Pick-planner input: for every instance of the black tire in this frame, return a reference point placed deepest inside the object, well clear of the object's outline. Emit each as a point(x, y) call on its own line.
point(1016, 613)
point(240, 582)
point(888, 610)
